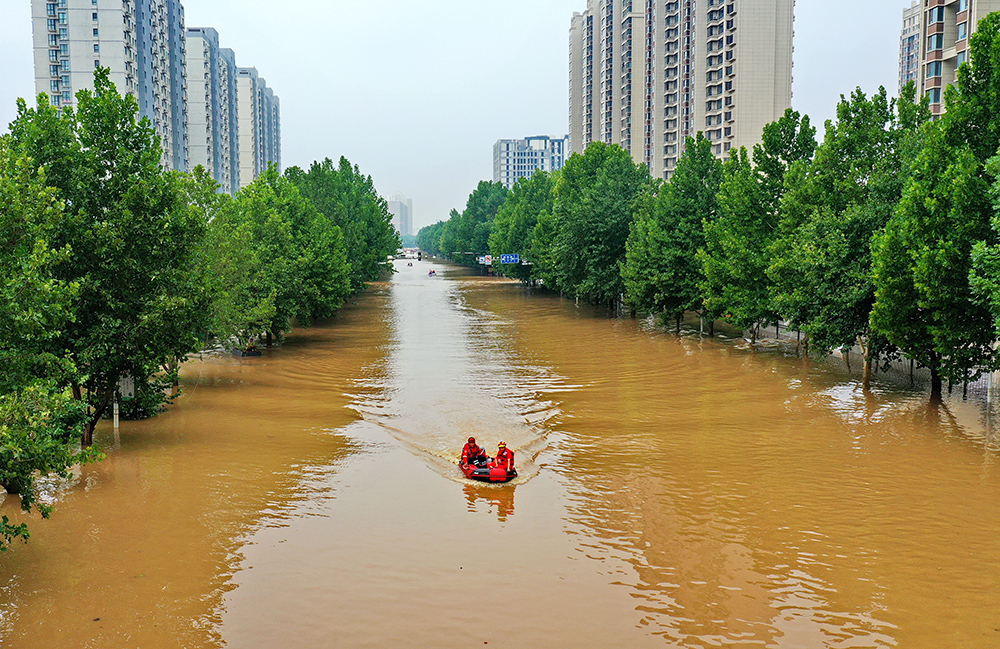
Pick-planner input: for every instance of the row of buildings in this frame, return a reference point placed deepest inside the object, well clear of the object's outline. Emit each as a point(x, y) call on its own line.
point(935, 41)
point(647, 74)
point(206, 110)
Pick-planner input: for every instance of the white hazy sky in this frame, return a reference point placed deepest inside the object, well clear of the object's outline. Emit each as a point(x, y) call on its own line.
point(417, 92)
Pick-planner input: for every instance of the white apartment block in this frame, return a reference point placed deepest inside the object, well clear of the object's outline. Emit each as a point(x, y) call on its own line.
point(646, 74)
point(516, 159)
point(213, 138)
point(943, 29)
point(401, 209)
point(140, 41)
point(259, 125)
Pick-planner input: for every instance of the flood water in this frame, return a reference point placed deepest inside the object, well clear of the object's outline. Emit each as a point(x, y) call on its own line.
point(673, 492)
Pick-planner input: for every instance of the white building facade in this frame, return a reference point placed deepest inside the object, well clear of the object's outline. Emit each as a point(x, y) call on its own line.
point(646, 74)
point(181, 79)
point(140, 41)
point(516, 159)
point(259, 125)
point(213, 125)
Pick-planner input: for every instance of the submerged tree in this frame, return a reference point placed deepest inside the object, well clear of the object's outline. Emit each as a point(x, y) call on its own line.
point(737, 251)
point(131, 236)
point(594, 201)
point(660, 268)
point(514, 227)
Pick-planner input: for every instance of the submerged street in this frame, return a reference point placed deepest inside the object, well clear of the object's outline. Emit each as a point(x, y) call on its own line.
point(672, 492)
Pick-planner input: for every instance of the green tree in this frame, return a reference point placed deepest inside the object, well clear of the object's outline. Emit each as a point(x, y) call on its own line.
point(924, 302)
point(594, 200)
point(39, 421)
point(514, 227)
point(821, 263)
point(349, 200)
point(466, 236)
point(132, 239)
point(661, 271)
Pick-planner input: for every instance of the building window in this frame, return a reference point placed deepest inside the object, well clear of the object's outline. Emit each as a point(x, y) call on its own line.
point(64, 65)
point(62, 17)
point(97, 47)
point(935, 15)
point(52, 24)
point(53, 70)
point(67, 96)
point(935, 42)
point(93, 16)
point(962, 58)
point(963, 31)
point(963, 5)
point(934, 94)
point(53, 40)
point(50, 9)
point(97, 63)
point(54, 86)
point(934, 69)
point(95, 32)
point(54, 56)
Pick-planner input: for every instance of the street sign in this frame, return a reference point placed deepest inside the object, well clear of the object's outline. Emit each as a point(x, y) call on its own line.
point(510, 259)
point(488, 260)
point(481, 260)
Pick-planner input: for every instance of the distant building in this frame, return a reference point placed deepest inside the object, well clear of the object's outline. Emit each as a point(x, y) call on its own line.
point(213, 124)
point(401, 209)
point(516, 159)
point(259, 125)
point(141, 42)
point(204, 109)
point(909, 45)
point(943, 31)
point(647, 75)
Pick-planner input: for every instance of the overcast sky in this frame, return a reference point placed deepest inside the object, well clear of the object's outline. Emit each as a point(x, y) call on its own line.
point(417, 92)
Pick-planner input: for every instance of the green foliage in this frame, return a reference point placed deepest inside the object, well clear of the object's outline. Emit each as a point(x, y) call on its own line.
point(349, 200)
point(594, 200)
point(660, 269)
point(132, 240)
point(38, 422)
point(514, 227)
point(466, 236)
point(835, 204)
point(922, 263)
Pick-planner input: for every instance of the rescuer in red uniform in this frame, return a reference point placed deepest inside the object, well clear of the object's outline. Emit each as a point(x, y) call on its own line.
point(504, 458)
point(471, 453)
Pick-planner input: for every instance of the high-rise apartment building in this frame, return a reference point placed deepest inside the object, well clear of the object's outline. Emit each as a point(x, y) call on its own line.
point(944, 28)
point(515, 159)
point(401, 209)
point(146, 47)
point(910, 44)
point(646, 74)
point(213, 138)
point(259, 125)
point(140, 41)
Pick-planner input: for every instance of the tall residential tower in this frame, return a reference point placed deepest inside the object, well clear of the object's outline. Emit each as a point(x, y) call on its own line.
point(943, 28)
point(140, 41)
point(646, 74)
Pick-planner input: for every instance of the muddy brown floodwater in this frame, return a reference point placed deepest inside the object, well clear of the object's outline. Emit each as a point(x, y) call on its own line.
point(673, 492)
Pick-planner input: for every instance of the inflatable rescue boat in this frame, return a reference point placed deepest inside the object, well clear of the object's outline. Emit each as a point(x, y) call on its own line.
point(486, 473)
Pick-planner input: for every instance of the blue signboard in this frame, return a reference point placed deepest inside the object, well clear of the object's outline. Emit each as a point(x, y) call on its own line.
point(510, 259)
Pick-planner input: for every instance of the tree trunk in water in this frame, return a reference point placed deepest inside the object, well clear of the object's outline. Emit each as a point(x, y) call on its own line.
point(935, 383)
point(866, 381)
point(679, 316)
point(711, 328)
point(269, 339)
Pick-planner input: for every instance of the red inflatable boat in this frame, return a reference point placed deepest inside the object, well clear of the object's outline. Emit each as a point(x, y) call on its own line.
point(486, 473)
